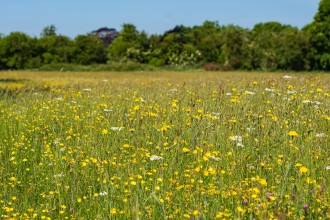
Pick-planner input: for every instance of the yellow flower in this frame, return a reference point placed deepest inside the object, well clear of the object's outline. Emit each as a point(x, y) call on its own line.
point(303, 169)
point(293, 134)
point(133, 183)
point(263, 182)
point(105, 131)
point(240, 209)
point(185, 150)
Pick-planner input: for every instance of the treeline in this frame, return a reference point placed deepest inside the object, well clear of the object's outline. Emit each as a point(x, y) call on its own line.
point(267, 46)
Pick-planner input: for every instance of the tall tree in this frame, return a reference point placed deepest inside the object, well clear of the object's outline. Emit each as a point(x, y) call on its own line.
point(129, 45)
point(55, 49)
point(88, 49)
point(319, 31)
point(18, 51)
point(49, 31)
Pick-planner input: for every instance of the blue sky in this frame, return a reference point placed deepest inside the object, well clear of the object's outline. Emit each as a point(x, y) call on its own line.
point(73, 17)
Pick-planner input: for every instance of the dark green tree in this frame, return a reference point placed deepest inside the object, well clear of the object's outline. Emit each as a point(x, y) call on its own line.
point(55, 49)
point(19, 51)
point(130, 45)
point(319, 31)
point(49, 31)
point(88, 49)
point(207, 39)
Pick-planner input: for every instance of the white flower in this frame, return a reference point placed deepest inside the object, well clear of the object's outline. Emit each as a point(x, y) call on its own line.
point(105, 80)
point(228, 93)
point(320, 135)
point(59, 99)
point(250, 129)
point(249, 93)
point(317, 103)
point(287, 77)
point(155, 157)
point(87, 89)
point(103, 193)
point(62, 149)
point(306, 101)
point(107, 110)
point(173, 90)
point(115, 128)
point(239, 145)
point(56, 142)
point(270, 90)
point(291, 92)
point(215, 113)
point(327, 167)
point(144, 101)
point(215, 158)
point(59, 175)
point(236, 138)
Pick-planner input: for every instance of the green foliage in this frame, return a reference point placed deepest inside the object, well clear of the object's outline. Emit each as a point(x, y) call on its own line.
point(319, 31)
point(56, 49)
point(49, 31)
point(129, 46)
point(268, 46)
point(18, 51)
point(88, 49)
point(64, 67)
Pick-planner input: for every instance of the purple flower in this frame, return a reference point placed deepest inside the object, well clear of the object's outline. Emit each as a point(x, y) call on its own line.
point(269, 195)
point(245, 202)
point(321, 188)
point(305, 206)
point(311, 191)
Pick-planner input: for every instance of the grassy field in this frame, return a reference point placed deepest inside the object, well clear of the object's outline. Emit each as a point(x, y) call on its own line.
point(164, 145)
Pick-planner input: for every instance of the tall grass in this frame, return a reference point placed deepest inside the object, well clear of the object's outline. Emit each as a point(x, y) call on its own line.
point(167, 145)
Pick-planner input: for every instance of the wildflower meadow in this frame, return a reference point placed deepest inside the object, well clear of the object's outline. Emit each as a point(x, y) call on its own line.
point(164, 145)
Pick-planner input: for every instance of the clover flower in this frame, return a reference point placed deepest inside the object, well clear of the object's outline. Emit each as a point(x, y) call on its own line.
point(103, 193)
point(249, 93)
point(270, 90)
point(214, 158)
point(116, 128)
point(305, 207)
point(320, 135)
point(155, 157)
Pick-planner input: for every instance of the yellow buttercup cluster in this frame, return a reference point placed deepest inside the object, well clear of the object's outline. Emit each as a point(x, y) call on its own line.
point(169, 145)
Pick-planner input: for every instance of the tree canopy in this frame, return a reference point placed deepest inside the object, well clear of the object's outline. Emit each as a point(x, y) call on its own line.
point(267, 46)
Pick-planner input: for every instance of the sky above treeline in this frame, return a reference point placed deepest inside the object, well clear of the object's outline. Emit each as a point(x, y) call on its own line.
point(73, 17)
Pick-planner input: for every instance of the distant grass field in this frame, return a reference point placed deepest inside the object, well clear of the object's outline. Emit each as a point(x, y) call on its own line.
point(164, 145)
